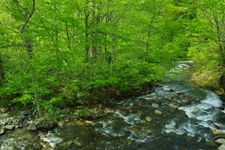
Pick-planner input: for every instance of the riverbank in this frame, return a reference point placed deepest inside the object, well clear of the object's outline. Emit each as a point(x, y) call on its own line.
point(19, 116)
point(212, 79)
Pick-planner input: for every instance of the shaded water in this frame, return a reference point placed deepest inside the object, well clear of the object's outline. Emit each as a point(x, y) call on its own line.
point(175, 116)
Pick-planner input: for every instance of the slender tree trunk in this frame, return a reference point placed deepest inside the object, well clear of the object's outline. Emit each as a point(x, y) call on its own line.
point(147, 46)
point(93, 53)
point(2, 73)
point(86, 34)
point(29, 47)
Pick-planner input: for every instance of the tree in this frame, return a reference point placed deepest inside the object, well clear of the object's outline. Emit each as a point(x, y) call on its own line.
point(214, 12)
point(25, 11)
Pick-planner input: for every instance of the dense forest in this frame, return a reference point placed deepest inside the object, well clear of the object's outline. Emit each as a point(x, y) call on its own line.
point(63, 53)
point(112, 74)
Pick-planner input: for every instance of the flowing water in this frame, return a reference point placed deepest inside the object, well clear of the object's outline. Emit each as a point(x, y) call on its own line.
point(174, 116)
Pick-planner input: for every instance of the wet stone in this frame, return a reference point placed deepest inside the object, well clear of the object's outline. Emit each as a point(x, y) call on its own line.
point(21, 117)
point(169, 97)
point(61, 124)
point(148, 119)
point(167, 88)
point(218, 132)
point(220, 141)
point(50, 139)
point(3, 122)
point(9, 127)
point(2, 131)
point(32, 127)
point(222, 147)
point(26, 112)
point(173, 106)
point(154, 105)
point(3, 110)
point(158, 112)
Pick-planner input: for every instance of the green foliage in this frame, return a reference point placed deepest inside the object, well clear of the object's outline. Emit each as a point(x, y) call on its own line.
point(84, 112)
point(68, 50)
point(25, 99)
point(207, 70)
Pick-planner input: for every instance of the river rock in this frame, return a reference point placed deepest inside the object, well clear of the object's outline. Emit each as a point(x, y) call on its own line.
point(148, 118)
point(46, 124)
point(222, 147)
point(32, 127)
point(3, 121)
point(2, 131)
point(9, 127)
point(3, 110)
point(220, 141)
point(21, 117)
point(26, 112)
point(158, 112)
point(173, 106)
point(154, 105)
point(61, 124)
point(167, 88)
point(169, 97)
point(50, 139)
point(180, 93)
point(181, 108)
point(218, 132)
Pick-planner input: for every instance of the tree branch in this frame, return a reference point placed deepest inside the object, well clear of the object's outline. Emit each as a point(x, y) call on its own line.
point(30, 14)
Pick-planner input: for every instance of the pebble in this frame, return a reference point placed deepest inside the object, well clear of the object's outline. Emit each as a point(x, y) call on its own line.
point(32, 127)
point(9, 127)
point(21, 117)
point(220, 141)
point(181, 108)
point(168, 89)
point(3, 110)
point(169, 97)
point(154, 105)
point(61, 123)
point(2, 131)
point(173, 106)
point(148, 119)
point(3, 122)
point(158, 112)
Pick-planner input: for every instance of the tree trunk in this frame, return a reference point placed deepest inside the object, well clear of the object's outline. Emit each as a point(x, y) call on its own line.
point(86, 34)
point(29, 48)
point(147, 47)
point(2, 73)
